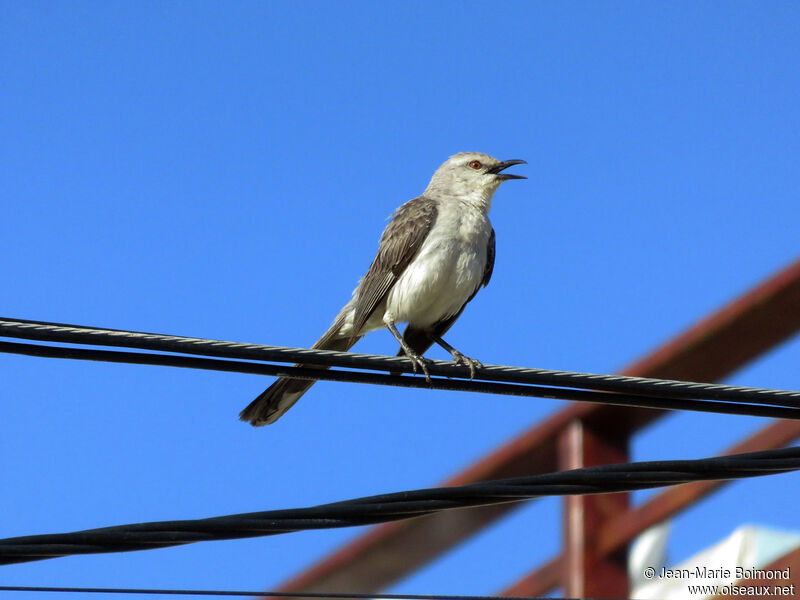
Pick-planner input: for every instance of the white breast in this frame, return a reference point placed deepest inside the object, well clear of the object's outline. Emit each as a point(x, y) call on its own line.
point(448, 269)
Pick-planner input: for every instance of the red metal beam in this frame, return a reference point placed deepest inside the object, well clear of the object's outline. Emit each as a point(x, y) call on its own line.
point(715, 347)
point(587, 572)
point(618, 532)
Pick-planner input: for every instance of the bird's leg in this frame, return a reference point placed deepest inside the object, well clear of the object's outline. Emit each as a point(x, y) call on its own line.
point(415, 358)
point(458, 358)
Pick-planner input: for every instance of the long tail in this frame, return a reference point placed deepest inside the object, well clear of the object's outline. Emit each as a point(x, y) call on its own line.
point(281, 395)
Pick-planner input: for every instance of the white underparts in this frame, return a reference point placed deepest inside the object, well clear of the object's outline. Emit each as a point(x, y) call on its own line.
point(445, 273)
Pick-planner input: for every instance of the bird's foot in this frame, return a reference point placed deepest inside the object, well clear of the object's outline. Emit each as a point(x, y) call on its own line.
point(466, 361)
point(417, 360)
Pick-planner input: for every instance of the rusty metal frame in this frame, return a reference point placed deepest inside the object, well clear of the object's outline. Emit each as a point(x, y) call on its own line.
point(579, 434)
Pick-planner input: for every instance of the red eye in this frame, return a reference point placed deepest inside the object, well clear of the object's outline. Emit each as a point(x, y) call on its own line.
point(475, 164)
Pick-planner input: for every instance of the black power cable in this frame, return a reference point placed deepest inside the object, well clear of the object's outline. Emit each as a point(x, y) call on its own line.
point(316, 595)
point(436, 383)
point(627, 391)
point(396, 506)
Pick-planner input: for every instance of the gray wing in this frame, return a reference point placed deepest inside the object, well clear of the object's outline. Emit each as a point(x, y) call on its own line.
point(400, 242)
point(489, 268)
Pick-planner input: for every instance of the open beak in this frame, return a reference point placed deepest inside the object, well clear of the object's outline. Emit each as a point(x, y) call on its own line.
point(504, 164)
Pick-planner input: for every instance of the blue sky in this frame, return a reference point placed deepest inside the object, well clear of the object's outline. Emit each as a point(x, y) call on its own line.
point(224, 170)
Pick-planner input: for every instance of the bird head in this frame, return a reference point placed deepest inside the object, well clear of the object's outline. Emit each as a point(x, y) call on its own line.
point(471, 176)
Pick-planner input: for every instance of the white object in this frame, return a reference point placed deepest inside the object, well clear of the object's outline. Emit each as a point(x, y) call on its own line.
point(742, 555)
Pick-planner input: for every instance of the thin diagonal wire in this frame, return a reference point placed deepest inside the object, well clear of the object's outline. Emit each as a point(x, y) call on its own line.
point(337, 595)
point(461, 385)
point(400, 505)
point(77, 334)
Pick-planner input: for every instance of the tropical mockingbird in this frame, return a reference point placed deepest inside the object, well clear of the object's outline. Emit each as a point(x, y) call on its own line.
point(433, 257)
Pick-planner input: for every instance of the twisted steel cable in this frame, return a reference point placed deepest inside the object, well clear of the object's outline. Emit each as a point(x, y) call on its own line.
point(499, 379)
point(400, 505)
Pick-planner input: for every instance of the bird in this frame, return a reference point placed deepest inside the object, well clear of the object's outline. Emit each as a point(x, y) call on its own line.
point(434, 255)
